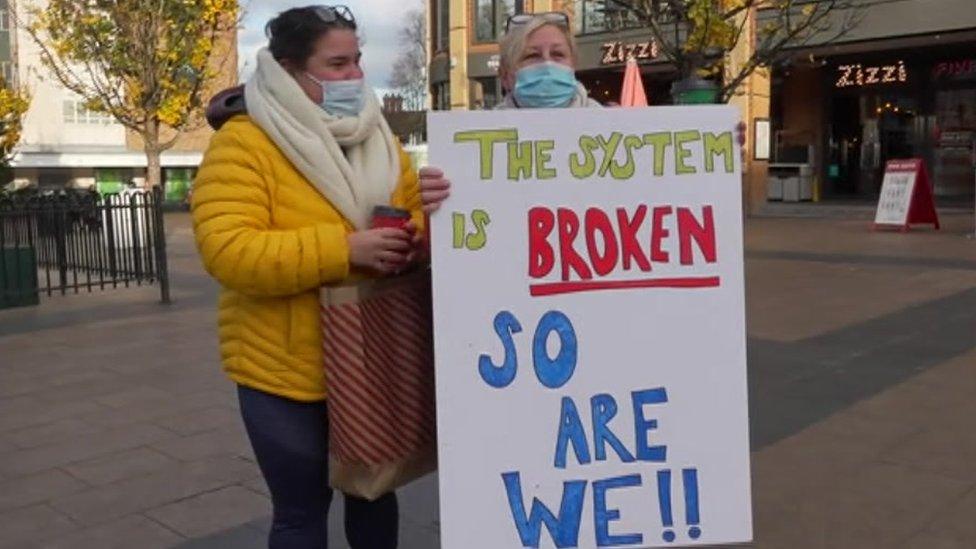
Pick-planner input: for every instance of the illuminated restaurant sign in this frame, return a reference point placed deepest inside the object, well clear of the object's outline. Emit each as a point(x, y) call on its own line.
point(858, 75)
point(962, 69)
point(620, 52)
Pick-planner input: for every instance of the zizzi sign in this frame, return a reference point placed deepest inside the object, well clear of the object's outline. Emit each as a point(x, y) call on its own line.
point(620, 52)
point(858, 75)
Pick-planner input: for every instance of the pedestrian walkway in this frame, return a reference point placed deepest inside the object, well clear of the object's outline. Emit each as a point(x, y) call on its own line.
point(118, 430)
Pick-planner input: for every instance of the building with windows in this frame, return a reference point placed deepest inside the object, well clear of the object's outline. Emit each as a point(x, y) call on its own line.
point(64, 144)
point(901, 84)
point(464, 49)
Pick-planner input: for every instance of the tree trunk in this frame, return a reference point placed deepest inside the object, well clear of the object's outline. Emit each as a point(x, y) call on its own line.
point(154, 171)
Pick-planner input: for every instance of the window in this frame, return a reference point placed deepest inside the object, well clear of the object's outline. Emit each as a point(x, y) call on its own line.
point(4, 19)
point(74, 112)
point(7, 71)
point(593, 16)
point(490, 17)
point(442, 96)
point(442, 37)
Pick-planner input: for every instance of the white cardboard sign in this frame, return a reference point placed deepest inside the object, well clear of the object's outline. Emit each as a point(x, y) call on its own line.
point(897, 189)
point(589, 329)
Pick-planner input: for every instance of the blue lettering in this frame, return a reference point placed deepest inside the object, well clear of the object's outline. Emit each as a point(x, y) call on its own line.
point(571, 431)
point(602, 517)
point(604, 409)
point(554, 372)
point(502, 376)
point(564, 530)
point(643, 426)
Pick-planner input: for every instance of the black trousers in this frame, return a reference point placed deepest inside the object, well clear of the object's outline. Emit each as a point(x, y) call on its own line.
point(290, 440)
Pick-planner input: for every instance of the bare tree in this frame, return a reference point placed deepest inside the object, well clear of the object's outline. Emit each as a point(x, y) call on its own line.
point(409, 78)
point(695, 34)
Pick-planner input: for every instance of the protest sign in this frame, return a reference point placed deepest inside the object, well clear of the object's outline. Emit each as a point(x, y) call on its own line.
point(589, 329)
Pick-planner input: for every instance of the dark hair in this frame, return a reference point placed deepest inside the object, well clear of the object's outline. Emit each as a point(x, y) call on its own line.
point(293, 33)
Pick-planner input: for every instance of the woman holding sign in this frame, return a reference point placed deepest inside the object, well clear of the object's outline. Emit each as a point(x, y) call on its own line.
point(285, 204)
point(537, 68)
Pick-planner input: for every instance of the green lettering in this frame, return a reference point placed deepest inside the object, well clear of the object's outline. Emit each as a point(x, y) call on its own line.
point(479, 237)
point(487, 140)
point(543, 156)
point(627, 169)
point(659, 142)
point(681, 153)
point(582, 164)
point(519, 160)
point(459, 228)
point(720, 144)
point(609, 147)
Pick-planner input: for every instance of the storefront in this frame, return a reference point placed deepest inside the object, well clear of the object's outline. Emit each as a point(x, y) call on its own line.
point(603, 57)
point(848, 114)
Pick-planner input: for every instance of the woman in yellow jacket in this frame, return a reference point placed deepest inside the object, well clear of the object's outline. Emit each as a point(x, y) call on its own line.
point(282, 207)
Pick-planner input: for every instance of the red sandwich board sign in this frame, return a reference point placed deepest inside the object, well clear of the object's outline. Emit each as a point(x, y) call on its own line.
point(906, 196)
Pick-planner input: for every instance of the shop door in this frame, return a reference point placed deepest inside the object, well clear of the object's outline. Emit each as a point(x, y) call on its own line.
point(868, 131)
point(844, 166)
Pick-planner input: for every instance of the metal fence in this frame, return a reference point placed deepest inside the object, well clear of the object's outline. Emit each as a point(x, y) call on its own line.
point(72, 242)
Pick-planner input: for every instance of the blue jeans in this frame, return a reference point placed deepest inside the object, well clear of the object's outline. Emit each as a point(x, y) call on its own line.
point(290, 440)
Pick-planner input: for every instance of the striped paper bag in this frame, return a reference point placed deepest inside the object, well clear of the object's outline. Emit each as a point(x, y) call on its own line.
point(378, 354)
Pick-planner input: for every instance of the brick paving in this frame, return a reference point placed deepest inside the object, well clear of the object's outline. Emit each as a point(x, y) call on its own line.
point(117, 428)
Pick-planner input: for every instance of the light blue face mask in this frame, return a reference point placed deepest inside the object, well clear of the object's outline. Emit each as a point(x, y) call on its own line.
point(343, 98)
point(545, 85)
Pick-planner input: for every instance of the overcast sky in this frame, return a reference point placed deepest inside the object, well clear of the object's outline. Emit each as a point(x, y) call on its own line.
point(378, 22)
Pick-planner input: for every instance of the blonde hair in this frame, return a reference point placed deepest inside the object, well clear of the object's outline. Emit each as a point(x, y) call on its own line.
point(513, 43)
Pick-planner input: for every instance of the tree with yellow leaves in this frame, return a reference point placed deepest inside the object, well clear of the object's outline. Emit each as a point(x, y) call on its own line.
point(695, 34)
point(14, 103)
point(146, 63)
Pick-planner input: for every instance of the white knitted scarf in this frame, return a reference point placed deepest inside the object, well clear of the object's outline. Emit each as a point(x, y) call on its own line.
point(353, 162)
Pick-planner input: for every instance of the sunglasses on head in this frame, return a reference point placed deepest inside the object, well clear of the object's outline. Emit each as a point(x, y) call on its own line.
point(554, 17)
point(331, 14)
point(326, 14)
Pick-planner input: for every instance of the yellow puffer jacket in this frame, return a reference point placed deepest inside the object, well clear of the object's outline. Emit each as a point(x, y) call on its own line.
point(272, 241)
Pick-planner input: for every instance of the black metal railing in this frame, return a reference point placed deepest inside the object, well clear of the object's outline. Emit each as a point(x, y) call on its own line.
point(72, 242)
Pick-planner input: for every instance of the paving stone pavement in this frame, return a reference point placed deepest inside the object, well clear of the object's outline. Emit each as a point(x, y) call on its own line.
point(118, 430)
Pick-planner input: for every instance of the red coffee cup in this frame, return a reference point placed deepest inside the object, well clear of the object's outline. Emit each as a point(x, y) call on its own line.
point(388, 217)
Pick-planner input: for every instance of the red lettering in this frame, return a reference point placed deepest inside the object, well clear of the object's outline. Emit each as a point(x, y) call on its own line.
point(596, 221)
point(568, 258)
point(703, 235)
point(629, 246)
point(541, 257)
point(659, 233)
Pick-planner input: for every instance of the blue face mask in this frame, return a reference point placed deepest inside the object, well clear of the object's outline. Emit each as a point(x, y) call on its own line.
point(545, 85)
point(343, 98)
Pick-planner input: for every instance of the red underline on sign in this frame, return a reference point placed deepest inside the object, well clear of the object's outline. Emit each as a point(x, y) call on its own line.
point(557, 288)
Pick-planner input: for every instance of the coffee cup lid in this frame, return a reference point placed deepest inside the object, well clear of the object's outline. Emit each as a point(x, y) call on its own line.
point(390, 211)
